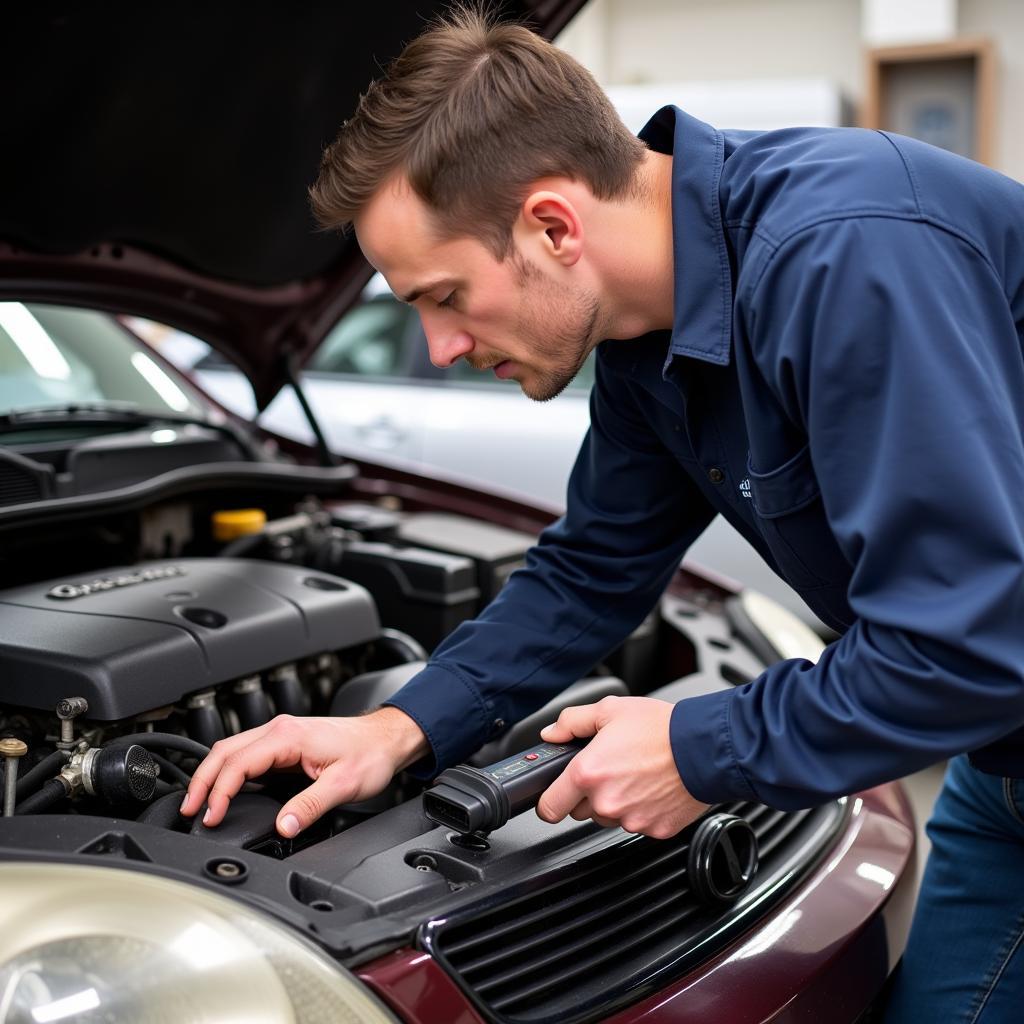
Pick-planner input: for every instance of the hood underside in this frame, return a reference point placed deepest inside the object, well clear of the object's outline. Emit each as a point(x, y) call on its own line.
point(157, 160)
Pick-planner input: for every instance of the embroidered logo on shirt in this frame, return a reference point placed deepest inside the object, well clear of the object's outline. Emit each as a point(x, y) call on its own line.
point(745, 488)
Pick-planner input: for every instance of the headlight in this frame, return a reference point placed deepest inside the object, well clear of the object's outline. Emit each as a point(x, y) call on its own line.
point(93, 945)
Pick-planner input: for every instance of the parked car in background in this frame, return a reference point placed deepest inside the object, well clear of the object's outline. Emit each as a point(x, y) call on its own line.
point(376, 395)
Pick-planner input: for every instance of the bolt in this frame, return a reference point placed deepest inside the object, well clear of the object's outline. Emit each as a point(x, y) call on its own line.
point(227, 869)
point(11, 750)
point(68, 710)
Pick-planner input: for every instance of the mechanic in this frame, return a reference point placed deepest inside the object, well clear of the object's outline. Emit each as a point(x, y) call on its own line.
point(816, 333)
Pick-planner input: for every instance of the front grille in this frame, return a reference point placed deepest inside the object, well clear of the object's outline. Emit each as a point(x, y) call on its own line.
point(604, 931)
point(22, 480)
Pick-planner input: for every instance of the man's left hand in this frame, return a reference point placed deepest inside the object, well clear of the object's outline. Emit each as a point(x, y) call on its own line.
point(626, 775)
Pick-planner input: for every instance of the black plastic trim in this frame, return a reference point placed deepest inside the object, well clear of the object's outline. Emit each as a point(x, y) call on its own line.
point(220, 475)
point(678, 957)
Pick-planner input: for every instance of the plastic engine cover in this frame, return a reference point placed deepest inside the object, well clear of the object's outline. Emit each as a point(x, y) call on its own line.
point(140, 637)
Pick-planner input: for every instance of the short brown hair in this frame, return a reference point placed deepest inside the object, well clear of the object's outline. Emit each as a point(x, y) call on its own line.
point(473, 111)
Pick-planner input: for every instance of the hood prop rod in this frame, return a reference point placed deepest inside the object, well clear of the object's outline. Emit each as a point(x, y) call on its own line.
point(291, 365)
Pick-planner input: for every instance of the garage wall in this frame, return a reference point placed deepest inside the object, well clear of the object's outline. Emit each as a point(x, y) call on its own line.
point(631, 41)
point(712, 39)
point(1003, 22)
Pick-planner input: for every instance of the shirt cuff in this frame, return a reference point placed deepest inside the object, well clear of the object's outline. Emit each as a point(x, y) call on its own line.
point(702, 747)
point(452, 713)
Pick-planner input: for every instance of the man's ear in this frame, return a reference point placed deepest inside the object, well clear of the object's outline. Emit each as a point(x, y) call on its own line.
point(550, 220)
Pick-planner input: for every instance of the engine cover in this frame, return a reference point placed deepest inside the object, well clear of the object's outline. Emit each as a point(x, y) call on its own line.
point(140, 637)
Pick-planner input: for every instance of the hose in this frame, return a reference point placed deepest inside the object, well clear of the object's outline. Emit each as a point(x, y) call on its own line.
point(243, 545)
point(46, 769)
point(169, 771)
point(403, 646)
point(52, 791)
point(163, 741)
point(163, 812)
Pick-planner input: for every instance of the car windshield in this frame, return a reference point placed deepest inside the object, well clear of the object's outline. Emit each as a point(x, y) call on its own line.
point(55, 357)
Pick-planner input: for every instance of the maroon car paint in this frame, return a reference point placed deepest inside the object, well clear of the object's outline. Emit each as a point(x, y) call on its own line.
point(416, 988)
point(853, 911)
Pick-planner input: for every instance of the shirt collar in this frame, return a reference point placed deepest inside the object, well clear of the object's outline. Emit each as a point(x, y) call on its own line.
point(702, 313)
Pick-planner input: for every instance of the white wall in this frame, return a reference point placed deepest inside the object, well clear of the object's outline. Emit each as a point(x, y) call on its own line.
point(632, 41)
point(728, 39)
point(1003, 22)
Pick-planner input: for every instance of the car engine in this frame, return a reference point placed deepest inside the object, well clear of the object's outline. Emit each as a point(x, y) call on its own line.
point(134, 640)
point(119, 679)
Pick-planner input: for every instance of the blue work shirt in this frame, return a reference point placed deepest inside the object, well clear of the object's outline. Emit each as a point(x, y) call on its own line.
point(844, 382)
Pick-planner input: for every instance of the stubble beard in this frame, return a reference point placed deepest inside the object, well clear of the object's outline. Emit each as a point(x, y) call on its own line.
point(556, 319)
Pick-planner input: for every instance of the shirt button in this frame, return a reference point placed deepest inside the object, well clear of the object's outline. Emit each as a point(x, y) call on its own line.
point(715, 475)
point(498, 724)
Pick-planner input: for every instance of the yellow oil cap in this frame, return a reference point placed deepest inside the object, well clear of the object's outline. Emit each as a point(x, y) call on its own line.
point(228, 524)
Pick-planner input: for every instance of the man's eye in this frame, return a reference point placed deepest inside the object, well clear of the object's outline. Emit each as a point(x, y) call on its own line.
point(448, 300)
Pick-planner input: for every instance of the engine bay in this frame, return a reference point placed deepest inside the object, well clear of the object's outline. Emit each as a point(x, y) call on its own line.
point(119, 679)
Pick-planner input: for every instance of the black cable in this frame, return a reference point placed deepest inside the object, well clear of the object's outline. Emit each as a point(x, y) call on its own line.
point(170, 772)
point(163, 741)
point(46, 769)
point(52, 791)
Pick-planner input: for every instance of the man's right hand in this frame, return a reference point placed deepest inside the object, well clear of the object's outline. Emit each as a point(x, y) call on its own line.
point(349, 759)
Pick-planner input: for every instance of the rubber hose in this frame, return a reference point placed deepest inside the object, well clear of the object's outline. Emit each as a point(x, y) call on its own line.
point(163, 812)
point(243, 545)
point(52, 791)
point(205, 725)
point(403, 646)
point(253, 709)
point(163, 741)
point(290, 698)
point(46, 769)
point(170, 772)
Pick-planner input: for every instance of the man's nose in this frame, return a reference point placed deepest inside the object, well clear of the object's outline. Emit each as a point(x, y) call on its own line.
point(445, 342)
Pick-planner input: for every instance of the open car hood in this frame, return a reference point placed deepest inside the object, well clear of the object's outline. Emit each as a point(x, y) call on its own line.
point(156, 162)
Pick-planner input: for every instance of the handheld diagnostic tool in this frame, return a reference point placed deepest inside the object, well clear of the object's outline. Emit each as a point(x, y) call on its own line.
point(483, 799)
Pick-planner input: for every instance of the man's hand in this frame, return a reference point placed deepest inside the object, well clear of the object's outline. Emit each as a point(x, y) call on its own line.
point(349, 759)
point(626, 775)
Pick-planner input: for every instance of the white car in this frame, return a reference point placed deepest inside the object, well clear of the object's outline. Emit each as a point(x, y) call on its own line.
point(377, 396)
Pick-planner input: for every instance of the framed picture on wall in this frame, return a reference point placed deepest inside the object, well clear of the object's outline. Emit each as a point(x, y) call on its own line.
point(942, 93)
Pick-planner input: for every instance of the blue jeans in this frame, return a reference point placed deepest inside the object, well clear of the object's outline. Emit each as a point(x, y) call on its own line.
point(964, 963)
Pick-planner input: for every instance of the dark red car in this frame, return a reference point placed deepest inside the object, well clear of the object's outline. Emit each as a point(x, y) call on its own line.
point(172, 575)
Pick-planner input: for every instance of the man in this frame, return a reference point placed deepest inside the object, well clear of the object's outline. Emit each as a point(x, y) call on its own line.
point(816, 333)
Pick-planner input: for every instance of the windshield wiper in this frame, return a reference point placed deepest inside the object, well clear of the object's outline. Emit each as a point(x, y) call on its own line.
point(119, 414)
